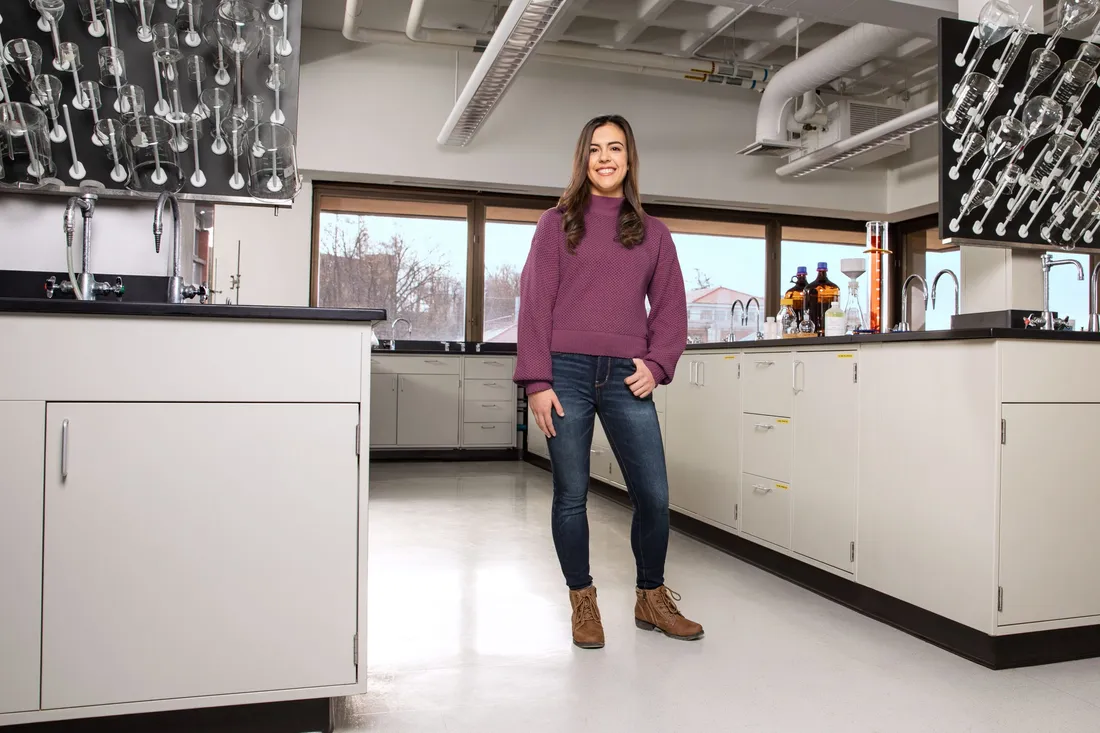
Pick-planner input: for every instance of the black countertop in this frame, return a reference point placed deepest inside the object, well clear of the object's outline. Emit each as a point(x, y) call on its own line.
point(107, 307)
point(458, 348)
point(968, 334)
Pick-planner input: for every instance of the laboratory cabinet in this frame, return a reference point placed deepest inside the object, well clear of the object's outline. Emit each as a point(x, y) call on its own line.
point(150, 575)
point(22, 431)
point(383, 410)
point(702, 417)
point(164, 539)
point(428, 408)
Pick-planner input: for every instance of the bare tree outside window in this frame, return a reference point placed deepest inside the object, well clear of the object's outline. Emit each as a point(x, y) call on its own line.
point(406, 265)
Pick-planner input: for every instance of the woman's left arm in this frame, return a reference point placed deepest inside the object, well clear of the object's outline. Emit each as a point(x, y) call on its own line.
point(667, 323)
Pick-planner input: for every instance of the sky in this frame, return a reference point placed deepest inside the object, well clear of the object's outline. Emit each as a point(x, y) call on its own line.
point(732, 262)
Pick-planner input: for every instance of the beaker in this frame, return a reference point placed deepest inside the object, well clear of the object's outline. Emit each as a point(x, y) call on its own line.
point(189, 22)
point(978, 194)
point(26, 59)
point(154, 165)
point(94, 13)
point(219, 102)
point(276, 81)
point(974, 89)
point(48, 89)
point(89, 90)
point(26, 134)
point(112, 68)
point(52, 11)
point(131, 99)
point(1073, 79)
point(1043, 63)
point(196, 72)
point(972, 144)
point(70, 55)
point(273, 175)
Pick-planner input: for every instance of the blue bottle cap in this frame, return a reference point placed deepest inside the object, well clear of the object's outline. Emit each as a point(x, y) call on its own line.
point(802, 271)
point(823, 265)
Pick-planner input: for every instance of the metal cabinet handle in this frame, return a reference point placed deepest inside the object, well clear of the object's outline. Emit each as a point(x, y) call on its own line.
point(493, 363)
point(492, 407)
point(693, 365)
point(762, 426)
point(491, 384)
point(701, 374)
point(64, 449)
point(794, 377)
point(765, 363)
point(432, 361)
point(488, 427)
point(761, 489)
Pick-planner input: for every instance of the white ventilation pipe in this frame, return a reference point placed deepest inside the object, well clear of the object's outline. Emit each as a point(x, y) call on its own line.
point(867, 140)
point(836, 57)
point(413, 27)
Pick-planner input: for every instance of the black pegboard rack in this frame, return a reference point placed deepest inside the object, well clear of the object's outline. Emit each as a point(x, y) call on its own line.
point(20, 21)
point(953, 35)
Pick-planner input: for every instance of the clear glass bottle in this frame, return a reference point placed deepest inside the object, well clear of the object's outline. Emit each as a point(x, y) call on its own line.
point(853, 313)
point(806, 325)
point(787, 318)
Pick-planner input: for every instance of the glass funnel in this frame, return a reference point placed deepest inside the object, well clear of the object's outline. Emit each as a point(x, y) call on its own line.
point(240, 30)
point(52, 11)
point(219, 102)
point(94, 13)
point(49, 89)
point(995, 21)
point(1072, 13)
point(221, 66)
point(978, 194)
point(143, 11)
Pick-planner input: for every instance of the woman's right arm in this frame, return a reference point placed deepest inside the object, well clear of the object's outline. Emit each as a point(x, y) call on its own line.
point(537, 295)
point(538, 292)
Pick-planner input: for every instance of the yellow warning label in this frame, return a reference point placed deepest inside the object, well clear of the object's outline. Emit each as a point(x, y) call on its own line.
point(732, 356)
point(845, 356)
point(782, 421)
point(782, 486)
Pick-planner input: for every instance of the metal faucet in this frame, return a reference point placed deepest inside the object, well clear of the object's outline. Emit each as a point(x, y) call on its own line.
point(733, 318)
point(177, 290)
point(1094, 316)
point(759, 331)
point(85, 286)
point(1046, 320)
point(936, 282)
point(393, 332)
point(903, 326)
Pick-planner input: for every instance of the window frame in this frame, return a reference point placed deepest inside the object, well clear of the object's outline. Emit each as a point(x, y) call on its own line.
point(478, 202)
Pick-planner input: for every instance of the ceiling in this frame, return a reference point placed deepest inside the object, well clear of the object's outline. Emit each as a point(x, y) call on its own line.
point(768, 33)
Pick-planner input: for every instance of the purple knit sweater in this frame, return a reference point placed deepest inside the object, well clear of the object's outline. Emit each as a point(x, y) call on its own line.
point(594, 301)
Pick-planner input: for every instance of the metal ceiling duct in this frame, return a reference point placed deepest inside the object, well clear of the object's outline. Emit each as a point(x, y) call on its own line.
point(521, 29)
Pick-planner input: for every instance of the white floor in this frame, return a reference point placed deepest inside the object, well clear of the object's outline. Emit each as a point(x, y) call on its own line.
point(469, 631)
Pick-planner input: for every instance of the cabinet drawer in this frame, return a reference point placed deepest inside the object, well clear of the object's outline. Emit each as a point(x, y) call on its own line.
point(768, 383)
point(487, 434)
point(488, 367)
point(426, 364)
point(494, 412)
point(766, 509)
point(767, 443)
point(490, 390)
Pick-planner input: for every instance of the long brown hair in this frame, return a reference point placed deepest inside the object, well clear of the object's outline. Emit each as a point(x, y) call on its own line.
point(574, 201)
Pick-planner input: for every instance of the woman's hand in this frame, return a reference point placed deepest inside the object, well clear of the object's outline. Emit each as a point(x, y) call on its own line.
point(541, 405)
point(641, 382)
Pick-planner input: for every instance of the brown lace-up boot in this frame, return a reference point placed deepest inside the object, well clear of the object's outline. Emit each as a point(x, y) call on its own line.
point(587, 627)
point(656, 610)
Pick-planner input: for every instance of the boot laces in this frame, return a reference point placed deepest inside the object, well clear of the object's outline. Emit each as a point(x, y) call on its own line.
point(666, 598)
point(586, 609)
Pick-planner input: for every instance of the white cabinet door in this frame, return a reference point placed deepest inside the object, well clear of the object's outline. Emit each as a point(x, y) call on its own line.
point(428, 410)
point(823, 482)
point(383, 409)
point(22, 427)
point(1048, 543)
point(198, 549)
point(702, 423)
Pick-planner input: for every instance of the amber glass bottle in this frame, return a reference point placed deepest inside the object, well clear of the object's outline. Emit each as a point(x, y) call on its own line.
point(820, 294)
point(797, 293)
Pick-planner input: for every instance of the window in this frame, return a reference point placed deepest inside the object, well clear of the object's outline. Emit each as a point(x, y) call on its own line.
point(508, 234)
point(408, 257)
point(805, 247)
point(722, 262)
point(1069, 297)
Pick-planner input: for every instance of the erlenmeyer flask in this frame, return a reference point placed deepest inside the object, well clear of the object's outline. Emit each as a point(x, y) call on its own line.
point(1041, 115)
point(972, 143)
point(995, 21)
point(1006, 137)
point(1072, 13)
point(978, 194)
point(971, 92)
point(240, 29)
point(1043, 63)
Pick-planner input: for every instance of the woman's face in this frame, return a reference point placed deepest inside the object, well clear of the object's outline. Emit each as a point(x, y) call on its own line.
point(607, 161)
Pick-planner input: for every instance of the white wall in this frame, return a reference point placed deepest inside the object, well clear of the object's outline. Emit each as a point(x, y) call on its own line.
point(32, 236)
point(912, 182)
point(373, 112)
point(275, 251)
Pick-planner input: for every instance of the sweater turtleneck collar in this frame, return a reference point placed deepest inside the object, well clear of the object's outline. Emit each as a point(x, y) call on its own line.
point(604, 205)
